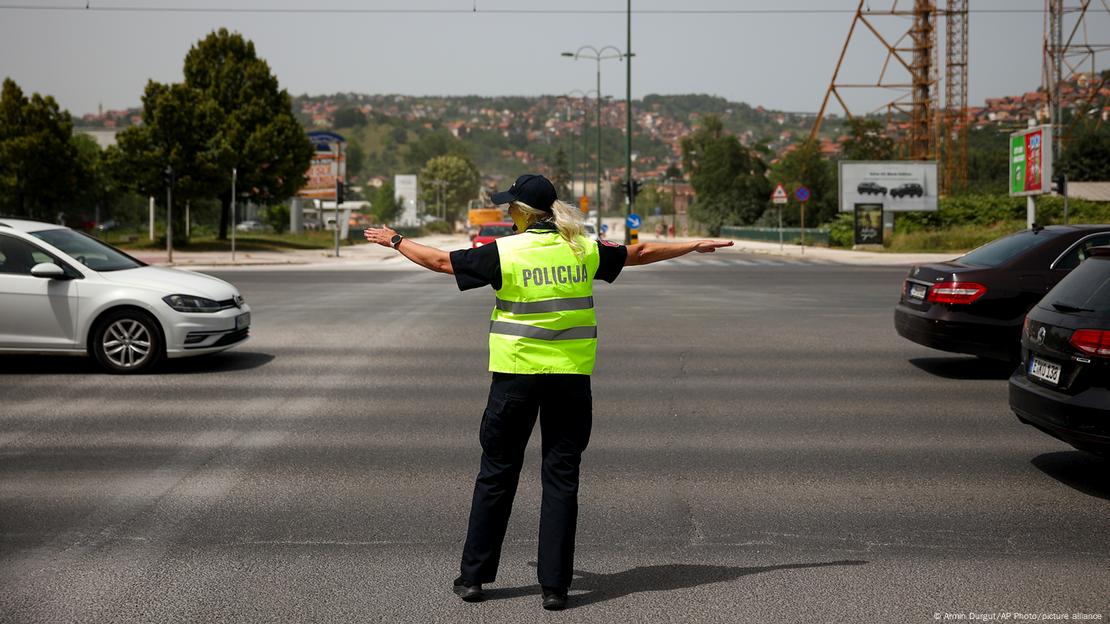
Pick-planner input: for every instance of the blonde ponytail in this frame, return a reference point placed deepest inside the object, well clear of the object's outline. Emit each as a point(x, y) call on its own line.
point(567, 220)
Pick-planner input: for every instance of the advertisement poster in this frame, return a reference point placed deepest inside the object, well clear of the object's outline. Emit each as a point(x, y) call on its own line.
point(895, 185)
point(1031, 161)
point(869, 224)
point(329, 165)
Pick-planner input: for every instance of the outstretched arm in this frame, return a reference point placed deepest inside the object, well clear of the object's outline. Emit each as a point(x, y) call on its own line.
point(428, 257)
point(646, 253)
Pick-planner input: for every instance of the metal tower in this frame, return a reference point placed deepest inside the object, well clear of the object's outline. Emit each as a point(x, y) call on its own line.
point(1070, 65)
point(954, 143)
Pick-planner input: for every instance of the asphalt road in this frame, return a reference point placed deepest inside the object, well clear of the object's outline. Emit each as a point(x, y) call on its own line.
point(765, 449)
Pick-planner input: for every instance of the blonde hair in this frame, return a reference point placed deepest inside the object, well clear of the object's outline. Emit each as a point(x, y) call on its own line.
point(567, 220)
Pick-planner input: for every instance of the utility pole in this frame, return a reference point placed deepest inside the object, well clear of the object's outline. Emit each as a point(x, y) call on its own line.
point(169, 214)
point(628, 117)
point(234, 176)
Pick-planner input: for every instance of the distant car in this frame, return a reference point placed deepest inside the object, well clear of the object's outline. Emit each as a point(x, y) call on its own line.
point(1063, 385)
point(490, 232)
point(976, 303)
point(870, 188)
point(591, 230)
point(107, 226)
point(910, 189)
point(251, 225)
point(311, 224)
point(65, 292)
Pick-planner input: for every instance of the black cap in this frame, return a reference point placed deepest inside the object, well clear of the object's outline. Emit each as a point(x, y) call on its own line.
point(534, 190)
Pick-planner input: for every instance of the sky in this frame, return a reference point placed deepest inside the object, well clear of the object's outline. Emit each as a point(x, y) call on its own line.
point(781, 60)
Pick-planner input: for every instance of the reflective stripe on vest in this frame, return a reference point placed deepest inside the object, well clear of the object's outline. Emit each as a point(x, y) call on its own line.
point(543, 319)
point(551, 305)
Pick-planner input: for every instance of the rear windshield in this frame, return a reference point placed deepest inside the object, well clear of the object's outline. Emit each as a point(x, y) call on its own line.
point(1005, 249)
point(496, 230)
point(1087, 288)
point(87, 250)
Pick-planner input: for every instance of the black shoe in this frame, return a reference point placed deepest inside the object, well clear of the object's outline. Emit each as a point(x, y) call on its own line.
point(469, 592)
point(554, 599)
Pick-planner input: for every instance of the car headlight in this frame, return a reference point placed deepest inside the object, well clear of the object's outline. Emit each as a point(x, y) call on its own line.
point(189, 303)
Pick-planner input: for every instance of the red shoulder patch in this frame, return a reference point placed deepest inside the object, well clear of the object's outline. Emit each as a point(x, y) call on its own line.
point(609, 243)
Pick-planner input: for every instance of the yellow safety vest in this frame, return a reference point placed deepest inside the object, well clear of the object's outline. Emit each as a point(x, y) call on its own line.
point(543, 320)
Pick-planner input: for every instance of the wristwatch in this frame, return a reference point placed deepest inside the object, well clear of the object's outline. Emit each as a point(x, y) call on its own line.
point(396, 240)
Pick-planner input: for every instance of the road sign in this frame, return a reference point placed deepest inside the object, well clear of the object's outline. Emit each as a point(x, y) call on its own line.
point(801, 194)
point(779, 196)
point(633, 221)
point(604, 228)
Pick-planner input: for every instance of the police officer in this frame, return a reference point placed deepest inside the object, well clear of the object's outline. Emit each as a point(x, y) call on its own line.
point(542, 346)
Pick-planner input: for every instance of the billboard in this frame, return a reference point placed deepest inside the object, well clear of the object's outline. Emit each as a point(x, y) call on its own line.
point(1031, 161)
point(896, 185)
point(328, 166)
point(868, 224)
point(405, 187)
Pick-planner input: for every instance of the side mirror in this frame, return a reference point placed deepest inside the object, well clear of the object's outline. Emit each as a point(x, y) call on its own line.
point(48, 270)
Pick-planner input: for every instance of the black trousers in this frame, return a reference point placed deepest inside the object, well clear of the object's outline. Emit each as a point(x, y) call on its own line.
point(565, 409)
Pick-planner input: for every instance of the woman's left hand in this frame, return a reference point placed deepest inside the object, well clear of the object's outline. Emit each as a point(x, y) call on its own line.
point(382, 236)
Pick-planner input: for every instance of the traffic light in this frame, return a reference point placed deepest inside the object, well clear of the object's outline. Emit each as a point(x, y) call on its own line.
point(1060, 184)
point(632, 188)
point(340, 192)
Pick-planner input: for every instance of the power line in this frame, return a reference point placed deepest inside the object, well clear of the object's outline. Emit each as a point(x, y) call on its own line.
point(472, 11)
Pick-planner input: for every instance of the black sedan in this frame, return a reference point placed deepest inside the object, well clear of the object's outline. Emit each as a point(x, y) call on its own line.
point(976, 303)
point(1063, 386)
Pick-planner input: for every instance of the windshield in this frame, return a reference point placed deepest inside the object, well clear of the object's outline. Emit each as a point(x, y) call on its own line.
point(1085, 289)
point(496, 230)
point(1005, 249)
point(88, 251)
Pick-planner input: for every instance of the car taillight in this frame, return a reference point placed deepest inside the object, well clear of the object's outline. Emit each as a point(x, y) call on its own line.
point(1092, 341)
point(956, 292)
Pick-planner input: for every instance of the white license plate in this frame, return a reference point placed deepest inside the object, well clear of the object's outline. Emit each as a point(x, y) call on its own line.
point(1045, 371)
point(243, 320)
point(917, 291)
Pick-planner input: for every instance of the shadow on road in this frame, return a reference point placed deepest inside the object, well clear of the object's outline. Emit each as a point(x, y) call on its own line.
point(1087, 473)
point(77, 365)
point(602, 587)
point(968, 368)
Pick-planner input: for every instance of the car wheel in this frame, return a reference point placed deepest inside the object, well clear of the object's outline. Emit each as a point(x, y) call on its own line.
point(127, 341)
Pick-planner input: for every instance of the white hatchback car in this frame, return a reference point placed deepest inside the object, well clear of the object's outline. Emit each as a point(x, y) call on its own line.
point(64, 292)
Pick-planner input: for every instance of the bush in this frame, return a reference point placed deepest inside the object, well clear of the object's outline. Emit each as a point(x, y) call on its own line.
point(842, 230)
point(277, 217)
point(438, 227)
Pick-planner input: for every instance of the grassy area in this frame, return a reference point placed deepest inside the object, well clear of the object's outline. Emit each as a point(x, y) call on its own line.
point(244, 241)
point(955, 239)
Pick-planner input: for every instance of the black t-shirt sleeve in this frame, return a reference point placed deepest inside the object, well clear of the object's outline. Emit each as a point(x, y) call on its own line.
point(611, 260)
point(477, 267)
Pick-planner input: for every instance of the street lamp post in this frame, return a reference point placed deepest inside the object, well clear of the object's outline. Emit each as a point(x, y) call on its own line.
point(606, 53)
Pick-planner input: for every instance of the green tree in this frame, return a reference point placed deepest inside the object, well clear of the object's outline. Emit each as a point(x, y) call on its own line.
point(460, 180)
point(356, 160)
point(180, 130)
point(39, 165)
point(385, 207)
point(1086, 154)
point(561, 174)
point(867, 141)
point(349, 117)
point(805, 166)
point(258, 134)
point(433, 144)
point(729, 179)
